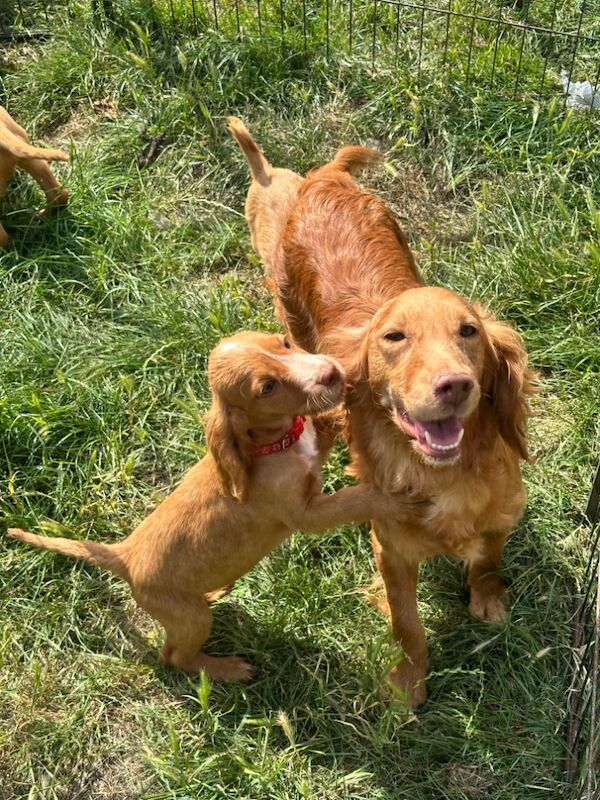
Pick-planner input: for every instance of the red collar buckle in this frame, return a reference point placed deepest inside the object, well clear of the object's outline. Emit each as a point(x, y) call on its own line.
point(287, 440)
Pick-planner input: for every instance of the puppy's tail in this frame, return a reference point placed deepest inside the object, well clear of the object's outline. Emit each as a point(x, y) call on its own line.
point(101, 555)
point(354, 158)
point(21, 149)
point(259, 165)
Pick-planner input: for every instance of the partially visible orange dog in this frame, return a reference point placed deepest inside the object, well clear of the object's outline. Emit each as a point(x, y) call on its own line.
point(270, 198)
point(16, 151)
point(259, 481)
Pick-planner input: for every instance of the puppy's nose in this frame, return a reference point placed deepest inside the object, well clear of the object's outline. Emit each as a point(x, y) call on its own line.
point(453, 389)
point(329, 375)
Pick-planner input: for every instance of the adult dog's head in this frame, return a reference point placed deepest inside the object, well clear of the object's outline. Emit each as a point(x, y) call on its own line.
point(260, 382)
point(438, 365)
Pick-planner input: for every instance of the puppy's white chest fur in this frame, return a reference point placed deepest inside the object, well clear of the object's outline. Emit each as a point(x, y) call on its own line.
point(306, 448)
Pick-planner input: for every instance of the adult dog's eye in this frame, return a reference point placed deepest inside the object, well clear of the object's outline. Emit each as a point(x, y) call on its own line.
point(467, 330)
point(267, 387)
point(287, 344)
point(394, 336)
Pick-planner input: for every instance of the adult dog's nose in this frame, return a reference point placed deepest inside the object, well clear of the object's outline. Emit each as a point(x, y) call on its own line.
point(453, 389)
point(329, 375)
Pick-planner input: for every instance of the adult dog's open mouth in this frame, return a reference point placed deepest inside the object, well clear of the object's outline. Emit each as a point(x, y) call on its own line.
point(439, 439)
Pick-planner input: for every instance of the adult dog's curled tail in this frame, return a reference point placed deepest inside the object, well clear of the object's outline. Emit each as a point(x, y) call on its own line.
point(101, 555)
point(259, 165)
point(353, 158)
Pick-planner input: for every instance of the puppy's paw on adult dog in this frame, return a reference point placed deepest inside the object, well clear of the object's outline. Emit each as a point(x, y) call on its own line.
point(490, 599)
point(409, 679)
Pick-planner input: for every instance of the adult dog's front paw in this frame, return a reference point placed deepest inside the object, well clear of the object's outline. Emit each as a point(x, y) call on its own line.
point(490, 599)
point(409, 678)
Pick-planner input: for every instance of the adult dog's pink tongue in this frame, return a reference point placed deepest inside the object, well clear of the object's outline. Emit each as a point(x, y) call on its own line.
point(442, 432)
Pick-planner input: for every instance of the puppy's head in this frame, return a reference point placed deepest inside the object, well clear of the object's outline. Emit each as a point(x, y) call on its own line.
point(432, 360)
point(260, 382)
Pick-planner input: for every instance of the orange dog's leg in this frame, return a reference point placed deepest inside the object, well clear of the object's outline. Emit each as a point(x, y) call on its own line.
point(56, 194)
point(3, 236)
point(489, 595)
point(187, 621)
point(400, 578)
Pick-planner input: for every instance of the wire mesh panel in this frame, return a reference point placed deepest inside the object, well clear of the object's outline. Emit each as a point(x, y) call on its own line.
point(511, 48)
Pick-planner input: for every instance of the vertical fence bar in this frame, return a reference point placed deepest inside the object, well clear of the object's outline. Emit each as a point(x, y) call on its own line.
point(304, 25)
point(576, 45)
point(281, 19)
point(552, 24)
point(522, 45)
point(496, 40)
point(350, 25)
point(172, 12)
point(327, 21)
point(216, 13)
point(237, 18)
point(471, 35)
point(259, 18)
point(194, 17)
point(421, 32)
point(447, 38)
point(23, 22)
point(373, 49)
point(397, 43)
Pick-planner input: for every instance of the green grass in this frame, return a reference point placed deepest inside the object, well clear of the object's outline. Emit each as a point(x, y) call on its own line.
point(107, 314)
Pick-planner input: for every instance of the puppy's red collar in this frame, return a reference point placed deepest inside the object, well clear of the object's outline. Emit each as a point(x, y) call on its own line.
point(286, 441)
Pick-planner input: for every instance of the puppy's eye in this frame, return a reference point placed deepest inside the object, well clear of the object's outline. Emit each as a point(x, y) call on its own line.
point(267, 388)
point(394, 336)
point(287, 344)
point(467, 330)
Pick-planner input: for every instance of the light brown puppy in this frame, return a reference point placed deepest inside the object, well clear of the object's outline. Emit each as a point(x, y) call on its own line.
point(439, 394)
point(16, 151)
point(247, 495)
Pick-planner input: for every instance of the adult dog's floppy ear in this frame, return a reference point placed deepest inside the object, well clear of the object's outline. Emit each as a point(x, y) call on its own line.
point(225, 436)
point(508, 382)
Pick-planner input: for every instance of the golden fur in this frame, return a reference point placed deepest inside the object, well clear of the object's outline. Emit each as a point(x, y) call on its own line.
point(421, 362)
point(234, 507)
point(16, 151)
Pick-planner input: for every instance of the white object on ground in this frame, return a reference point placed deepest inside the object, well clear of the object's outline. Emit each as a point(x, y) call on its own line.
point(581, 94)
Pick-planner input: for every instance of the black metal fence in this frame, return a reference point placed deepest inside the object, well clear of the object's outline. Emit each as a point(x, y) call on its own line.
point(515, 49)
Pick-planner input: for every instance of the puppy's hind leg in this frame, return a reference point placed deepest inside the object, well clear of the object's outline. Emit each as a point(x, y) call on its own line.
point(187, 621)
point(3, 236)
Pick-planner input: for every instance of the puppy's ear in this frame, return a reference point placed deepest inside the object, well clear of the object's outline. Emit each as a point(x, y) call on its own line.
point(508, 382)
point(225, 435)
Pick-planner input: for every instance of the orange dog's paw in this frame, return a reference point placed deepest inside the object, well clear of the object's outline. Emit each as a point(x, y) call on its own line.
point(234, 668)
point(490, 599)
point(410, 680)
point(223, 669)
